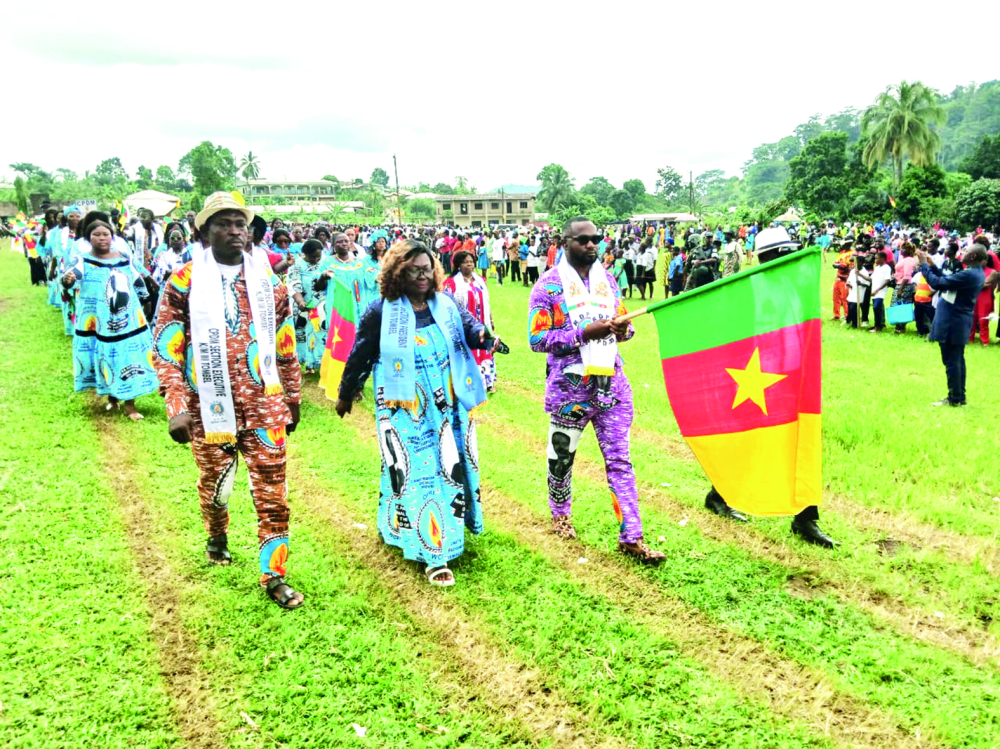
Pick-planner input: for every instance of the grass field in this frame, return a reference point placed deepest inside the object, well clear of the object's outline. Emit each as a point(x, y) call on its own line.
point(117, 634)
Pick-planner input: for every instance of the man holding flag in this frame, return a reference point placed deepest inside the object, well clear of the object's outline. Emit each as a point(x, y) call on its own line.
point(572, 319)
point(745, 386)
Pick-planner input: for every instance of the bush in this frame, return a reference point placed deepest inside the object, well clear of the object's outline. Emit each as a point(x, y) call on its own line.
point(979, 204)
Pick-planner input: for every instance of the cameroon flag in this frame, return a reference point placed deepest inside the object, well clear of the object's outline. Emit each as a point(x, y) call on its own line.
point(742, 365)
point(340, 335)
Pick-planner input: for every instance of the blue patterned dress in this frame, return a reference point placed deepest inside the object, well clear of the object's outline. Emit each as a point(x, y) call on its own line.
point(112, 345)
point(311, 327)
point(429, 488)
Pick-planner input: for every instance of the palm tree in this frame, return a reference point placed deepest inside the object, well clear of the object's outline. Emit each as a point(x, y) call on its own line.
point(898, 125)
point(557, 187)
point(250, 167)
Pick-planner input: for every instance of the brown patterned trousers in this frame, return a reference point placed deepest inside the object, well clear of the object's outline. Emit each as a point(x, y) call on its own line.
point(263, 451)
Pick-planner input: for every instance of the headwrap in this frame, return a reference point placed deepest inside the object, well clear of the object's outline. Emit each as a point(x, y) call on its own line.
point(71, 209)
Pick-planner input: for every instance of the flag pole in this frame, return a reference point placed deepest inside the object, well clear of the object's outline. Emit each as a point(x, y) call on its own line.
point(630, 315)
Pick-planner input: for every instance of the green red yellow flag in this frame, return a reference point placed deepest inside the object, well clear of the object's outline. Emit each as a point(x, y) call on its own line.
point(341, 332)
point(742, 366)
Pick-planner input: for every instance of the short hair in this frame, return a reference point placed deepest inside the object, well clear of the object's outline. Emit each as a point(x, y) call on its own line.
point(983, 240)
point(280, 233)
point(312, 244)
point(459, 257)
point(882, 255)
point(976, 254)
point(574, 220)
point(170, 227)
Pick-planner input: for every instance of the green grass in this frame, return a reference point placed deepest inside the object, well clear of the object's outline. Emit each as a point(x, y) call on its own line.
point(373, 646)
point(79, 668)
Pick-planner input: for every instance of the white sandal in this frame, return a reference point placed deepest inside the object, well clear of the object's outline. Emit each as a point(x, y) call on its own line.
point(435, 574)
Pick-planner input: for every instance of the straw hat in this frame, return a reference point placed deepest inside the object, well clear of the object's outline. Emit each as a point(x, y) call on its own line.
point(218, 202)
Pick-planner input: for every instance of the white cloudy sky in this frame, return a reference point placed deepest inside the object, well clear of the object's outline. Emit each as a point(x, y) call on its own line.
point(491, 91)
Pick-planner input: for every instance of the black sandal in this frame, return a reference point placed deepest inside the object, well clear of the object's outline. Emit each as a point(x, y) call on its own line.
point(281, 593)
point(217, 550)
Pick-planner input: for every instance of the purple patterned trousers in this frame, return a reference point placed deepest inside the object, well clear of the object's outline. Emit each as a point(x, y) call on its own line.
point(612, 428)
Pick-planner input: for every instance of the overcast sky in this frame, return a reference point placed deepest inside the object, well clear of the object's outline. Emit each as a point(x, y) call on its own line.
point(491, 91)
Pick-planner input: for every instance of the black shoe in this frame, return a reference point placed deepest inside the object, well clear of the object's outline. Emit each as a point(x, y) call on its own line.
point(810, 532)
point(717, 504)
point(948, 402)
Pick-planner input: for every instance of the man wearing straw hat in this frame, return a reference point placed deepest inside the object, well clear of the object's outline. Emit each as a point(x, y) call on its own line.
point(225, 356)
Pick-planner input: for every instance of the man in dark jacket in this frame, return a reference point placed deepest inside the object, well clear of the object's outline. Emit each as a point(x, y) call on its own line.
point(953, 319)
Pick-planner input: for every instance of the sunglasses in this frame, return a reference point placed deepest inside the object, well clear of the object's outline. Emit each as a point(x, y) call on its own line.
point(586, 238)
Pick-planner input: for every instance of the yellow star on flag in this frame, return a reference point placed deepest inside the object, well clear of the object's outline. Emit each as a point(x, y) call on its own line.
point(752, 382)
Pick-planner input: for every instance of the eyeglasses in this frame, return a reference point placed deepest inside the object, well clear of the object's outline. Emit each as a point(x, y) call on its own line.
point(424, 271)
point(587, 238)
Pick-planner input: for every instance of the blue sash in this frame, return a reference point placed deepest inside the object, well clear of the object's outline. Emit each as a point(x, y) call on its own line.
point(399, 326)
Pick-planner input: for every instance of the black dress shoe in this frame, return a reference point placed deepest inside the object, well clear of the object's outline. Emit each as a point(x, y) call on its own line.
point(810, 532)
point(715, 503)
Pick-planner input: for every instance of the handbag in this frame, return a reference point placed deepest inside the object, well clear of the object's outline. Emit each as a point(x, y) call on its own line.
point(899, 314)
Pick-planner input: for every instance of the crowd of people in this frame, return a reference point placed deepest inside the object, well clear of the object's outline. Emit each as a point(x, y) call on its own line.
point(223, 314)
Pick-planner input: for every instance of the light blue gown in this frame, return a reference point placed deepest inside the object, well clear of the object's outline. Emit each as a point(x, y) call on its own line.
point(430, 488)
point(112, 345)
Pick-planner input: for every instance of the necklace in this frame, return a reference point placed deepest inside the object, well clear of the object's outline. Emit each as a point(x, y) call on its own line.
point(418, 306)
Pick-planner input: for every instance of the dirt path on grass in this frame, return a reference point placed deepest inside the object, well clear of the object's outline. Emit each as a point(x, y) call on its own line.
point(511, 690)
point(787, 688)
point(192, 704)
point(805, 576)
point(899, 526)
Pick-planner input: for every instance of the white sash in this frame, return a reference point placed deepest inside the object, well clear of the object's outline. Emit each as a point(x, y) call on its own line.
point(208, 334)
point(585, 306)
point(462, 289)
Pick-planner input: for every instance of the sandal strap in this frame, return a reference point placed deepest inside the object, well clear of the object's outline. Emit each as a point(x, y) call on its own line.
point(279, 590)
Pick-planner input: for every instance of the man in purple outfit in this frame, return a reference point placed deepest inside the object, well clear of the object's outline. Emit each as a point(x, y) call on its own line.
point(572, 311)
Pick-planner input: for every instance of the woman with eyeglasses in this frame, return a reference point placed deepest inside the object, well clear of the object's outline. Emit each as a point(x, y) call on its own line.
point(417, 342)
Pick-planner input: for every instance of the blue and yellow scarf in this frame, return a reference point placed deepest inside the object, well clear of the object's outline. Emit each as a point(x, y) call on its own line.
point(399, 327)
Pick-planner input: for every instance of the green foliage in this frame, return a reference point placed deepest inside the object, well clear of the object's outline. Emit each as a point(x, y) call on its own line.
point(709, 181)
point(984, 161)
point(622, 203)
point(143, 178)
point(898, 125)
point(817, 176)
point(110, 172)
point(920, 185)
point(331, 178)
point(29, 170)
point(250, 167)
point(420, 208)
point(442, 188)
point(973, 112)
point(165, 179)
point(583, 204)
point(379, 176)
point(600, 188)
point(21, 195)
point(669, 184)
point(636, 188)
point(557, 187)
point(211, 167)
point(765, 181)
point(979, 204)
